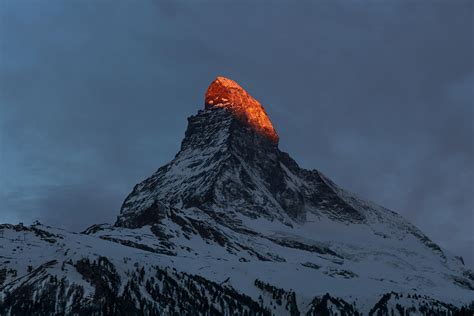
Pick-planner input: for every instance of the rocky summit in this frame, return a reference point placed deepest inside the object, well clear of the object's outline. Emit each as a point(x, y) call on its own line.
point(226, 93)
point(233, 226)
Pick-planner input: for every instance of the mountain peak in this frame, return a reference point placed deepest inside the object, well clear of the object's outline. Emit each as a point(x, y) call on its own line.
point(226, 93)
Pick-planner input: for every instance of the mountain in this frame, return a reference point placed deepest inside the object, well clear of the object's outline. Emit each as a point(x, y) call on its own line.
point(233, 226)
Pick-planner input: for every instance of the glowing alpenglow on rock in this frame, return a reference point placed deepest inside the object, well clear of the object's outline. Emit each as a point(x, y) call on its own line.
point(226, 93)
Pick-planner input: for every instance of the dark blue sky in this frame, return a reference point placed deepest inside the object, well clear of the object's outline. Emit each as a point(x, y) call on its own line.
point(378, 95)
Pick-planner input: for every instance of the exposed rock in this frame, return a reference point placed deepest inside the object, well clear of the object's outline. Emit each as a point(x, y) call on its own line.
point(228, 94)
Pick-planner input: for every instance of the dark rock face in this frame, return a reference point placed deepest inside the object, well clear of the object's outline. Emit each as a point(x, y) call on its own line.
point(225, 169)
point(224, 164)
point(152, 214)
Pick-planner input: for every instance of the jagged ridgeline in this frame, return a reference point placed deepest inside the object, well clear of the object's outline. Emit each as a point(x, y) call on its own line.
point(233, 226)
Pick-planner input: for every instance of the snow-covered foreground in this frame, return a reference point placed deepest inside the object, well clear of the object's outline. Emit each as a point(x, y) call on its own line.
point(38, 261)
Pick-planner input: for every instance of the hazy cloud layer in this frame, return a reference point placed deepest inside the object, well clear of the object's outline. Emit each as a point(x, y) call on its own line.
point(94, 97)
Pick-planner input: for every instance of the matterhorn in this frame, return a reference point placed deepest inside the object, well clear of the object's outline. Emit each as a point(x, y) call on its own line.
point(233, 226)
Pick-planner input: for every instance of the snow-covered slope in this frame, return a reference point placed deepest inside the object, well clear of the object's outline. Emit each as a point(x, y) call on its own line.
point(109, 270)
point(232, 225)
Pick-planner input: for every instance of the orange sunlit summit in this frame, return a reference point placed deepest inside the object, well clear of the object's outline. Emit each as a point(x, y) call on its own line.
point(227, 93)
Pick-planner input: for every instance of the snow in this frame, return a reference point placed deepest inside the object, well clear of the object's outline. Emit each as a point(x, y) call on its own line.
point(379, 270)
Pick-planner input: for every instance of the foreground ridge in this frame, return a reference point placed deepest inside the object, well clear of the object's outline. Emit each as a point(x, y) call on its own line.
point(90, 274)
